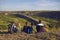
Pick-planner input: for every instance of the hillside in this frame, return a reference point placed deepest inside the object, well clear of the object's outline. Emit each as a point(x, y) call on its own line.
point(53, 26)
point(53, 17)
point(49, 14)
point(6, 19)
point(49, 18)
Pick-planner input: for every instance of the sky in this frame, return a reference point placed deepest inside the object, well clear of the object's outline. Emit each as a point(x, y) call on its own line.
point(33, 5)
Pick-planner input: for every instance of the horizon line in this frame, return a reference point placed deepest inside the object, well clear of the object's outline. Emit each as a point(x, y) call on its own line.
point(33, 10)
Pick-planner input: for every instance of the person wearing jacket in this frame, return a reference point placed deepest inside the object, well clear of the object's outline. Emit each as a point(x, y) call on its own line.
point(39, 27)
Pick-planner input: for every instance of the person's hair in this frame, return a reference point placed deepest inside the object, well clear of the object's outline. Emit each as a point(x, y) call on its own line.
point(39, 21)
point(26, 23)
point(31, 23)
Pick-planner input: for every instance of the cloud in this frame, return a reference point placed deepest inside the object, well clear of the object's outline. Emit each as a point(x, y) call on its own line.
point(47, 5)
point(31, 5)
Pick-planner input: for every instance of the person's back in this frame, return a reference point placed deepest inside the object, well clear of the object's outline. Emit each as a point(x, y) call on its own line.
point(14, 29)
point(29, 28)
point(25, 27)
point(39, 26)
point(10, 27)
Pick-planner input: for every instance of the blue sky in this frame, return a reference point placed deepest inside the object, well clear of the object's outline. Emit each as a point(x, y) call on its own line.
point(21, 5)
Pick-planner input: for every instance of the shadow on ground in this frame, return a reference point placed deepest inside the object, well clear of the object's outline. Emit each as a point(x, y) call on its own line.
point(26, 18)
point(4, 32)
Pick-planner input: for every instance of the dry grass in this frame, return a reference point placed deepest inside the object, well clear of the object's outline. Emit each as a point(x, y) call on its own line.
point(35, 36)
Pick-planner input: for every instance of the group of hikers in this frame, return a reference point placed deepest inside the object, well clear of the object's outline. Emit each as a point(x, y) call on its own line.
point(27, 29)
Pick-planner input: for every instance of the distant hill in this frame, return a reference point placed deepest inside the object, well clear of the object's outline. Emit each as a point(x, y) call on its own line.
point(46, 14)
point(49, 14)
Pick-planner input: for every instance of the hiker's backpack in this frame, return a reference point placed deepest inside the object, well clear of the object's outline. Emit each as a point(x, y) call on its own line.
point(14, 29)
